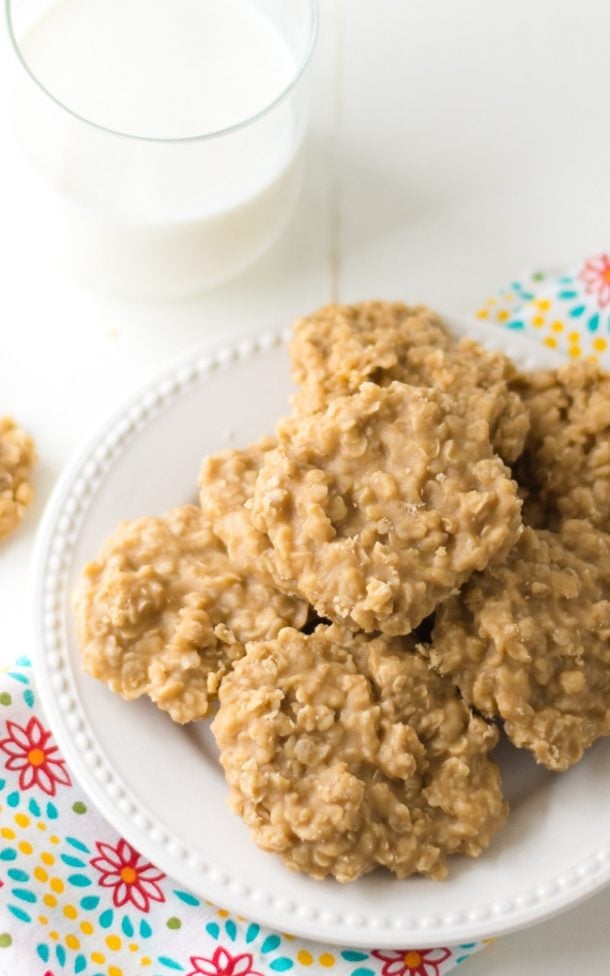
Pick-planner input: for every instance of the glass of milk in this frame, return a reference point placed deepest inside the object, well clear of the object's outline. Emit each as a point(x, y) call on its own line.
point(171, 132)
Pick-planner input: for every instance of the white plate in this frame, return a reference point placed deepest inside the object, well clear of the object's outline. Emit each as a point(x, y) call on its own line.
point(160, 785)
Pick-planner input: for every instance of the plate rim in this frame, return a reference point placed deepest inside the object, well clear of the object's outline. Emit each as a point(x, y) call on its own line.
point(57, 533)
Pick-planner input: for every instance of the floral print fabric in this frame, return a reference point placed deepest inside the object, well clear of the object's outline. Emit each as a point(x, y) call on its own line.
point(567, 311)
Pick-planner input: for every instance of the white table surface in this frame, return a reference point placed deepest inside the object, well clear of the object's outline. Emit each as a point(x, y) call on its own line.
point(452, 145)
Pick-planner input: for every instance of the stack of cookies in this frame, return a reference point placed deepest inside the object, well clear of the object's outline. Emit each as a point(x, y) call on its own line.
point(417, 560)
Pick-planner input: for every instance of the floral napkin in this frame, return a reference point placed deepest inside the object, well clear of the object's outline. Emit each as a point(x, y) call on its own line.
point(77, 898)
point(567, 311)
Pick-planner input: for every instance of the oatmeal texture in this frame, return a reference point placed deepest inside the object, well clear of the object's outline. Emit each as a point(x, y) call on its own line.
point(226, 486)
point(162, 612)
point(529, 641)
point(17, 458)
point(566, 463)
point(343, 753)
point(340, 347)
point(378, 508)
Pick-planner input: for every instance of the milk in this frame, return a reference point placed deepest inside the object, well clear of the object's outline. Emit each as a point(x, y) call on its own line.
point(151, 209)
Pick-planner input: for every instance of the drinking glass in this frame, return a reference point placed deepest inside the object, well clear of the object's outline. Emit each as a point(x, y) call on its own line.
point(171, 169)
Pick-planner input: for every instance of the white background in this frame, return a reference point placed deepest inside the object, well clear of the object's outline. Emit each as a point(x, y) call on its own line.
point(452, 145)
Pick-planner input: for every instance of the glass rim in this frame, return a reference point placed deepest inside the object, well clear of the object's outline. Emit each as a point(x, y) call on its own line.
point(169, 140)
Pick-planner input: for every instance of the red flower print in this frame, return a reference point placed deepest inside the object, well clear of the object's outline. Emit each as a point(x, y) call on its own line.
point(596, 277)
point(411, 962)
point(223, 964)
point(39, 763)
point(133, 879)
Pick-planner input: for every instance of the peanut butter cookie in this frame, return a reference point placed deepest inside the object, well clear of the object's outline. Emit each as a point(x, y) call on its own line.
point(344, 753)
point(17, 457)
point(226, 486)
point(566, 462)
point(529, 641)
point(164, 613)
point(378, 508)
point(340, 347)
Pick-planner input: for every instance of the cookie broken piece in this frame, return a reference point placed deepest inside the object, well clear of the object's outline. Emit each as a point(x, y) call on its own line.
point(528, 641)
point(344, 753)
point(378, 508)
point(565, 466)
point(162, 612)
point(340, 347)
point(17, 458)
point(226, 486)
